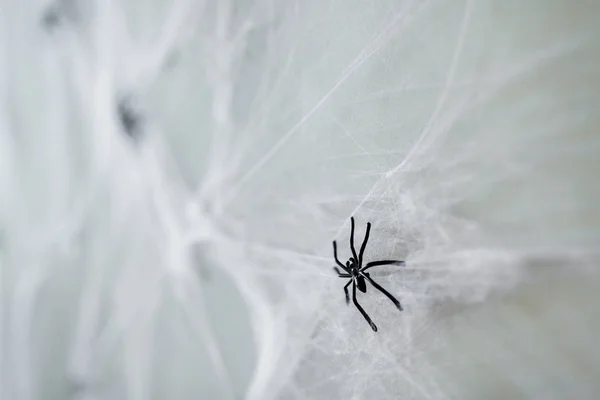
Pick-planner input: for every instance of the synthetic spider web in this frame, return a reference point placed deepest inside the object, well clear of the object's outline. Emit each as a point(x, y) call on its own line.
point(173, 173)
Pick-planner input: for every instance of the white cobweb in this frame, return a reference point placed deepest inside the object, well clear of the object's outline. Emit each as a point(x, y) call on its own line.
point(189, 256)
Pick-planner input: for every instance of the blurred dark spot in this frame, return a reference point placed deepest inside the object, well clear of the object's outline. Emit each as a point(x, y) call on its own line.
point(52, 17)
point(61, 12)
point(129, 115)
point(80, 387)
point(172, 60)
point(202, 261)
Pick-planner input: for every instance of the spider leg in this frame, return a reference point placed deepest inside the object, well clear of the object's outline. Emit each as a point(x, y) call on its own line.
point(373, 326)
point(336, 257)
point(346, 291)
point(364, 245)
point(352, 238)
point(382, 262)
point(341, 274)
point(382, 290)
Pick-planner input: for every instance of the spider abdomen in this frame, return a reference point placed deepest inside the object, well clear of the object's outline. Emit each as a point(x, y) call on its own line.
point(361, 284)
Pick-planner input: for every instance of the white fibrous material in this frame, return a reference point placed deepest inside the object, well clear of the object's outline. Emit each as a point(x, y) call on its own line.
point(173, 174)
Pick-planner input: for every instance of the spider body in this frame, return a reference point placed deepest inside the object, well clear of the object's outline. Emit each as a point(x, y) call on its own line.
point(361, 284)
point(358, 278)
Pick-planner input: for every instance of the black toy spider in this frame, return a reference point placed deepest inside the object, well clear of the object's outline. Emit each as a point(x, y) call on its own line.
point(356, 272)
